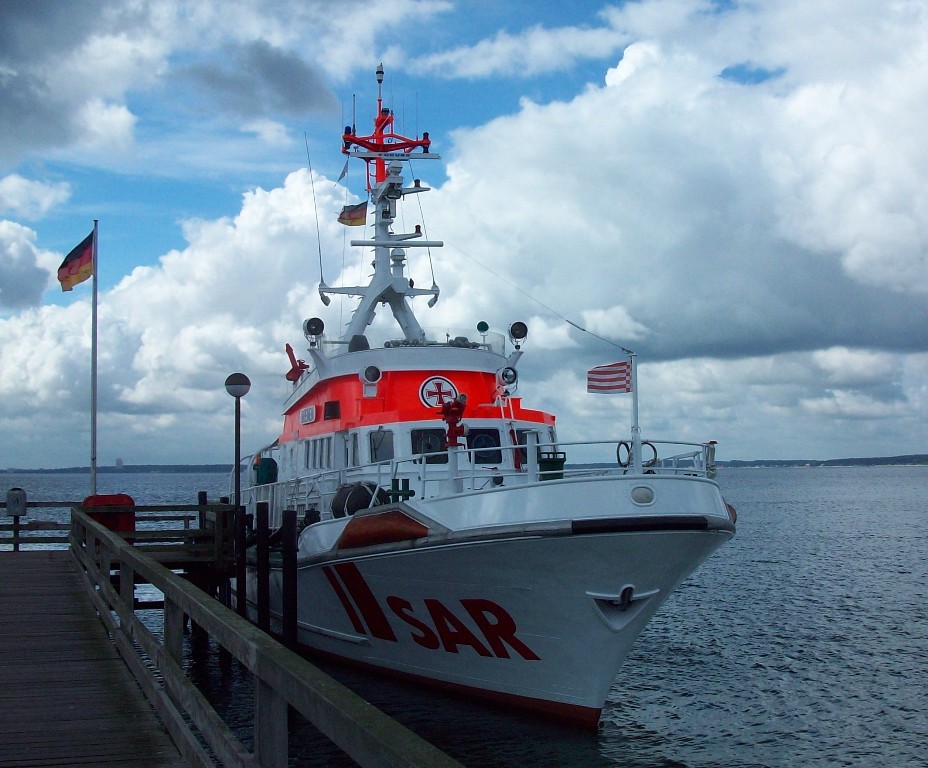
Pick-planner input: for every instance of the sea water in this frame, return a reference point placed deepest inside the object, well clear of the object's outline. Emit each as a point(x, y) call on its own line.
point(801, 642)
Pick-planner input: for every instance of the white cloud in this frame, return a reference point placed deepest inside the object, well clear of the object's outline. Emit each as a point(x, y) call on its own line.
point(24, 269)
point(531, 52)
point(106, 126)
point(846, 187)
point(109, 64)
point(613, 322)
point(843, 366)
point(270, 132)
point(636, 58)
point(31, 199)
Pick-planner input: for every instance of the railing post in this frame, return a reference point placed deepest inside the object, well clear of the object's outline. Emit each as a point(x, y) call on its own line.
point(289, 578)
point(271, 747)
point(531, 455)
point(173, 630)
point(16, 505)
point(202, 501)
point(126, 591)
point(105, 560)
point(263, 574)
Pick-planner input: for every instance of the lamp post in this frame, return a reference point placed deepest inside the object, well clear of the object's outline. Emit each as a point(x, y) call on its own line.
point(237, 385)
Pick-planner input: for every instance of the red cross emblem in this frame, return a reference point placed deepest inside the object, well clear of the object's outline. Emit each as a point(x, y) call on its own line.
point(436, 391)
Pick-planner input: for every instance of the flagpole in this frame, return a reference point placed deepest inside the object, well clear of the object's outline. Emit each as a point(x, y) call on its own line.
point(636, 432)
point(93, 371)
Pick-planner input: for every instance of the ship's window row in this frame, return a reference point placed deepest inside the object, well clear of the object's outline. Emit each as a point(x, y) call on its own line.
point(318, 453)
point(484, 442)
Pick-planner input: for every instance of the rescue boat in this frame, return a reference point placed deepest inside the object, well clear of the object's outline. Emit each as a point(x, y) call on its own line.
point(449, 535)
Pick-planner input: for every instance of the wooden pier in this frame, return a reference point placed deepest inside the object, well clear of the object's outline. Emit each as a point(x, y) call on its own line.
point(66, 697)
point(83, 681)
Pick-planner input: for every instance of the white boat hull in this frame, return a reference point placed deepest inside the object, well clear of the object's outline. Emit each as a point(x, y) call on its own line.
point(536, 618)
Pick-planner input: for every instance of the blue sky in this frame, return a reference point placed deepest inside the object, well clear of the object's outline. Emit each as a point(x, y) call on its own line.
point(734, 190)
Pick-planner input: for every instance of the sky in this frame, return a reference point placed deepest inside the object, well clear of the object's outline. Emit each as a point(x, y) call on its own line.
point(734, 190)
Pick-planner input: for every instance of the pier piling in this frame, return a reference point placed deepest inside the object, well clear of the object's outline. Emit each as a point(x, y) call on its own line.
point(289, 579)
point(263, 566)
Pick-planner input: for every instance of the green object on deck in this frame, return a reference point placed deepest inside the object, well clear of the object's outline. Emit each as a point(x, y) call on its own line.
point(551, 465)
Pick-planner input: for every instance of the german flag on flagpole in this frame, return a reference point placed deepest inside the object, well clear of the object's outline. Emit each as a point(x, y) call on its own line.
point(77, 265)
point(353, 215)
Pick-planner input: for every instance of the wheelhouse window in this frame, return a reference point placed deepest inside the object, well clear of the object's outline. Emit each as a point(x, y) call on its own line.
point(381, 441)
point(522, 439)
point(485, 445)
point(546, 439)
point(430, 441)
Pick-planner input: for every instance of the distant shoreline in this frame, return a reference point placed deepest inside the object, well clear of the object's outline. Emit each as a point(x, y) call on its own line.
point(910, 460)
point(126, 469)
point(915, 459)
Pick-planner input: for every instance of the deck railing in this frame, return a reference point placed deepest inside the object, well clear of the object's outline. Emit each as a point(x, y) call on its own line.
point(461, 470)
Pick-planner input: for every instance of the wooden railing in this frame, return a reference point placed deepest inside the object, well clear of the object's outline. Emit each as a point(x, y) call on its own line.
point(208, 542)
point(282, 678)
point(14, 532)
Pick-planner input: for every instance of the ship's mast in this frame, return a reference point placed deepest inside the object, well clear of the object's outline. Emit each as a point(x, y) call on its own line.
point(385, 151)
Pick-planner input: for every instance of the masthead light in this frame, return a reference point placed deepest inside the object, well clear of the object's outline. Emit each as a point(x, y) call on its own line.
point(313, 327)
point(518, 331)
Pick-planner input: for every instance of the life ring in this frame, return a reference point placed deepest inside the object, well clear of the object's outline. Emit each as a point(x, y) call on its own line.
point(624, 462)
point(628, 453)
point(653, 460)
point(349, 499)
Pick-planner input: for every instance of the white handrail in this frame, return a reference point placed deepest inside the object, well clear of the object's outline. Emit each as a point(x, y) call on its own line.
point(540, 462)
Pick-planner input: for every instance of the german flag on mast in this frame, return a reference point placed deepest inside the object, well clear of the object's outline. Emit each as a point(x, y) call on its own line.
point(353, 215)
point(77, 265)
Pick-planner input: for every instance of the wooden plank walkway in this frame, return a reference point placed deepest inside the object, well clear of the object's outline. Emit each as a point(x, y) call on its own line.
point(66, 697)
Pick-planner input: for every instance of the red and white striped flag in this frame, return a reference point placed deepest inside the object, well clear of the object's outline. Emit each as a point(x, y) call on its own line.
point(610, 379)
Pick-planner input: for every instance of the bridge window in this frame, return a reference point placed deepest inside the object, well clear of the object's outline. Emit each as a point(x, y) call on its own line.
point(483, 442)
point(546, 442)
point(381, 445)
point(430, 441)
point(522, 439)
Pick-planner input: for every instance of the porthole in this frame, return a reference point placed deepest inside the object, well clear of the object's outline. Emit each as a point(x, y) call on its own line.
point(642, 495)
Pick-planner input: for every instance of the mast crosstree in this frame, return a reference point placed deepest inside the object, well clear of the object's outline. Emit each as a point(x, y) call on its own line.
point(384, 151)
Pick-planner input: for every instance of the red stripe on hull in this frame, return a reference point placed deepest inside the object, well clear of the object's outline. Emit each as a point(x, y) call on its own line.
point(346, 603)
point(573, 714)
point(363, 597)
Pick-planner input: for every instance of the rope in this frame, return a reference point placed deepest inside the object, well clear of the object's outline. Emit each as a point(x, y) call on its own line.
point(425, 230)
point(312, 185)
